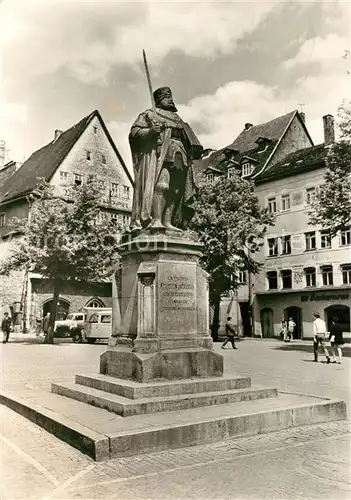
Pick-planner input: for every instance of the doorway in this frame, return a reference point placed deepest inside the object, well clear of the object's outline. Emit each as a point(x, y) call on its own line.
point(62, 308)
point(267, 322)
point(341, 312)
point(245, 318)
point(296, 314)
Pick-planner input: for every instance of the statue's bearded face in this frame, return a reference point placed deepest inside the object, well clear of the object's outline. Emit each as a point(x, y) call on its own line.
point(167, 103)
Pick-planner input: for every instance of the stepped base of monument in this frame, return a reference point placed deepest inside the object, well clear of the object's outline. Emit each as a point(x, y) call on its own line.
point(86, 416)
point(167, 364)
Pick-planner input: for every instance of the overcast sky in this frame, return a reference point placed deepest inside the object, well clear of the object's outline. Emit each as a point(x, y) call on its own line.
point(227, 63)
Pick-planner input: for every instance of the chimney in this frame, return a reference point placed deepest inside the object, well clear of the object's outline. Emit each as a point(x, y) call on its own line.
point(302, 116)
point(329, 132)
point(57, 134)
point(248, 126)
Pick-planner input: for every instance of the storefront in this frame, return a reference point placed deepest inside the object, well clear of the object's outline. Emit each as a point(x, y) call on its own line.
point(270, 308)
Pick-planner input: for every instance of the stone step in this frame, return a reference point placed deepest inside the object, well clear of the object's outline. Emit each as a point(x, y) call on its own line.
point(104, 435)
point(136, 390)
point(129, 407)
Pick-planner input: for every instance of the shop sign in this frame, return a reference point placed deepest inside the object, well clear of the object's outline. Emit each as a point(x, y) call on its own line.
point(324, 296)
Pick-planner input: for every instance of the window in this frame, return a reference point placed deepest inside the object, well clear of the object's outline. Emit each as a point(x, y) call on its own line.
point(327, 275)
point(272, 277)
point(114, 189)
point(2, 220)
point(242, 277)
point(88, 155)
point(286, 275)
point(286, 245)
point(78, 179)
point(209, 178)
point(126, 220)
point(230, 172)
point(103, 159)
point(114, 219)
point(64, 178)
point(345, 237)
point(325, 239)
point(310, 195)
point(102, 184)
point(94, 318)
point(105, 318)
point(246, 169)
point(286, 202)
point(346, 274)
point(272, 246)
point(310, 275)
point(272, 205)
point(95, 303)
point(310, 240)
point(95, 130)
point(126, 190)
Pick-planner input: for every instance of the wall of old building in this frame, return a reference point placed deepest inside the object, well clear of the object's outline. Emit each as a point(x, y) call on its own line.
point(17, 208)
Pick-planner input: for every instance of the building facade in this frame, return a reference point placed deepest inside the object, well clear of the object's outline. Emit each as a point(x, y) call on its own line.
point(304, 269)
point(84, 149)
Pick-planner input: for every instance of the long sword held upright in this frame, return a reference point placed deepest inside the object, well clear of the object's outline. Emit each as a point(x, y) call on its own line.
point(150, 86)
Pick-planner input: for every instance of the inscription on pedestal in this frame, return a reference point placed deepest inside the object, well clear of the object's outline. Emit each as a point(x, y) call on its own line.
point(177, 298)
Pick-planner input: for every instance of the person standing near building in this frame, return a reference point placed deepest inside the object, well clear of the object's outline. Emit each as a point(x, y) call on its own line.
point(291, 328)
point(319, 333)
point(336, 339)
point(230, 333)
point(6, 327)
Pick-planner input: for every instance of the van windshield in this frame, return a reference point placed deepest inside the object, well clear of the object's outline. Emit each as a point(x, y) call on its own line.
point(70, 316)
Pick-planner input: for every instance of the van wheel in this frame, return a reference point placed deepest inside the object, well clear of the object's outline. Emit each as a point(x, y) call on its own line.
point(90, 340)
point(77, 337)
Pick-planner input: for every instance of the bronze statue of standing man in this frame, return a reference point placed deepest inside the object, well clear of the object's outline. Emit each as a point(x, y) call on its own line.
point(163, 149)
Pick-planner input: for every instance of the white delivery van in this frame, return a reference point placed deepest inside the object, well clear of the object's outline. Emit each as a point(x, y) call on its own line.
point(98, 324)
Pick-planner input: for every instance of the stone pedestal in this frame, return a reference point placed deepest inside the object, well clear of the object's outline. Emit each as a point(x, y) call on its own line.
point(163, 303)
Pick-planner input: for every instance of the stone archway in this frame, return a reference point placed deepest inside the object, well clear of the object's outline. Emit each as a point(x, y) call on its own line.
point(62, 308)
point(342, 312)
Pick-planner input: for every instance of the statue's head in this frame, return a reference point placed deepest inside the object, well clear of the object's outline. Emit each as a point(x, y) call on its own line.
point(163, 99)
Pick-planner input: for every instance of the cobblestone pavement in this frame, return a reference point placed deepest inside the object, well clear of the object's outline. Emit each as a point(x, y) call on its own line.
point(306, 462)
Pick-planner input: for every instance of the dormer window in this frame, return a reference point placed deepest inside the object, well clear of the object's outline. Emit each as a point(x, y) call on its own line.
point(230, 172)
point(246, 169)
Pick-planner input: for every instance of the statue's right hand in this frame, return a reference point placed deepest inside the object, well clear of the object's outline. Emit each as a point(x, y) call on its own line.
point(156, 128)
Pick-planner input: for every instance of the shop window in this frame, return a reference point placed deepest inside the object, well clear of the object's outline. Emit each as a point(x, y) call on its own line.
point(286, 202)
point(272, 247)
point(310, 276)
point(310, 195)
point(286, 245)
point(286, 275)
point(310, 241)
point(345, 237)
point(325, 239)
point(272, 277)
point(272, 205)
point(327, 275)
point(346, 274)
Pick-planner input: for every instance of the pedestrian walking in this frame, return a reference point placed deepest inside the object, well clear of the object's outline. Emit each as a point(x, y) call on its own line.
point(6, 327)
point(46, 322)
point(291, 328)
point(230, 333)
point(319, 334)
point(336, 339)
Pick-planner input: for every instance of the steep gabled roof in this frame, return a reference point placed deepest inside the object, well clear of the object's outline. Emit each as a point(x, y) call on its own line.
point(246, 144)
point(295, 163)
point(45, 161)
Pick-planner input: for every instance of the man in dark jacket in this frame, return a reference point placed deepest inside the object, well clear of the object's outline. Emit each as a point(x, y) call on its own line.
point(336, 339)
point(6, 327)
point(230, 332)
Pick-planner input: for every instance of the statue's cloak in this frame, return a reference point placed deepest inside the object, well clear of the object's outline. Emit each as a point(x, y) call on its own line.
point(150, 155)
